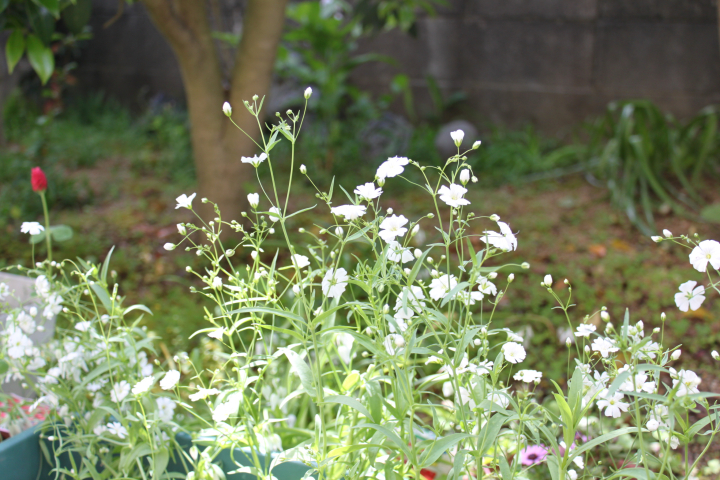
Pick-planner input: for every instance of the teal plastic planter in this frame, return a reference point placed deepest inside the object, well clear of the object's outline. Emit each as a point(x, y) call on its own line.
point(21, 459)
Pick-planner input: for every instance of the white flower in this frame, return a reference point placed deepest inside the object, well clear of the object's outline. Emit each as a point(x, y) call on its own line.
point(334, 283)
point(116, 428)
point(26, 323)
point(612, 405)
point(344, 343)
point(53, 306)
point(227, 109)
point(42, 286)
point(447, 389)
point(143, 386)
point(392, 227)
point(688, 381)
point(368, 191)
point(469, 298)
point(230, 407)
point(4, 291)
point(203, 393)
point(119, 391)
point(667, 233)
point(707, 251)
point(396, 253)
point(170, 379)
point(453, 195)
point(572, 474)
point(512, 336)
point(457, 137)
point(169, 246)
point(466, 397)
point(412, 297)
point(485, 286)
point(36, 364)
point(440, 286)
point(604, 346)
point(300, 261)
point(308, 93)
point(513, 352)
point(350, 212)
point(217, 283)
point(528, 376)
point(674, 442)
point(255, 160)
point(547, 281)
point(217, 333)
point(33, 228)
point(253, 199)
point(464, 176)
point(652, 425)
point(17, 344)
point(83, 326)
point(165, 408)
point(690, 296)
point(184, 201)
point(393, 343)
point(505, 240)
point(391, 167)
point(585, 330)
point(274, 214)
point(181, 229)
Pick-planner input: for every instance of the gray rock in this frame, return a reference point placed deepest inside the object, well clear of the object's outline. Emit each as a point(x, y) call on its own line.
point(22, 293)
point(445, 144)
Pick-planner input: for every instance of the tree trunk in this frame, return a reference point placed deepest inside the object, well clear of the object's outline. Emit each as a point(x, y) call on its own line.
point(217, 144)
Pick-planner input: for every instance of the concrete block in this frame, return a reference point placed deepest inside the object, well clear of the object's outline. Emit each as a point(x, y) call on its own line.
point(534, 9)
point(527, 53)
point(651, 58)
point(673, 10)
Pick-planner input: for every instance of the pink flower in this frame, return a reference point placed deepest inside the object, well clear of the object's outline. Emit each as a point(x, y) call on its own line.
point(533, 454)
point(38, 180)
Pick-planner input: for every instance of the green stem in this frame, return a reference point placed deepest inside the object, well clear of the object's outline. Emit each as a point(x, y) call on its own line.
point(47, 226)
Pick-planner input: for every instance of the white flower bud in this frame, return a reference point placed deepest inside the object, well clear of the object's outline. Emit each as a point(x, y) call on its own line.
point(476, 145)
point(656, 239)
point(414, 230)
point(303, 169)
point(308, 93)
point(605, 316)
point(652, 425)
point(301, 230)
point(417, 253)
point(474, 179)
point(568, 342)
point(609, 327)
point(399, 341)
point(465, 176)
point(457, 137)
point(715, 355)
point(254, 254)
point(525, 265)
point(217, 282)
point(169, 246)
point(253, 199)
point(676, 354)
point(656, 330)
point(386, 309)
point(511, 277)
point(380, 181)
point(587, 348)
point(547, 281)
point(494, 217)
point(477, 342)
point(229, 253)
point(662, 317)
point(338, 231)
point(271, 231)
point(181, 229)
point(296, 289)
point(491, 275)
point(227, 109)
point(389, 211)
point(667, 233)
point(434, 273)
point(188, 268)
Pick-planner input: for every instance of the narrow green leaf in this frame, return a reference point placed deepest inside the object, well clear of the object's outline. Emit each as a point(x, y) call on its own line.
point(302, 370)
point(162, 457)
point(441, 446)
point(599, 440)
point(349, 402)
point(106, 265)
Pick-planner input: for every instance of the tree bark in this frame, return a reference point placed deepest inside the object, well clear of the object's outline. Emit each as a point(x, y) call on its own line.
point(217, 144)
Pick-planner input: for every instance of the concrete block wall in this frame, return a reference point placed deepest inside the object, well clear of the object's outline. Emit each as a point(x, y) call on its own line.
point(552, 63)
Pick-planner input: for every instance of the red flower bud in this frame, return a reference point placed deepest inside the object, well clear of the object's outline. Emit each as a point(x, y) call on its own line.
point(38, 180)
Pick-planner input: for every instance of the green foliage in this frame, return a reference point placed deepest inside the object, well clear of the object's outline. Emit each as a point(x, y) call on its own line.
point(645, 155)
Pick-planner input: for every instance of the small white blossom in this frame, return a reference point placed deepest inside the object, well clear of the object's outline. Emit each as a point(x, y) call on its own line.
point(393, 343)
point(392, 227)
point(613, 405)
point(396, 253)
point(334, 282)
point(253, 199)
point(308, 93)
point(165, 408)
point(368, 191)
point(274, 214)
point(513, 352)
point(464, 176)
point(255, 160)
point(32, 228)
point(707, 251)
point(143, 386)
point(547, 281)
point(667, 233)
point(689, 296)
point(83, 326)
point(116, 428)
point(585, 330)
point(169, 246)
point(119, 391)
point(688, 381)
point(505, 240)
point(440, 286)
point(170, 379)
point(300, 261)
point(217, 333)
point(604, 346)
point(184, 201)
point(457, 137)
point(349, 212)
point(227, 109)
point(453, 195)
point(203, 393)
point(4, 292)
point(528, 376)
point(391, 167)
